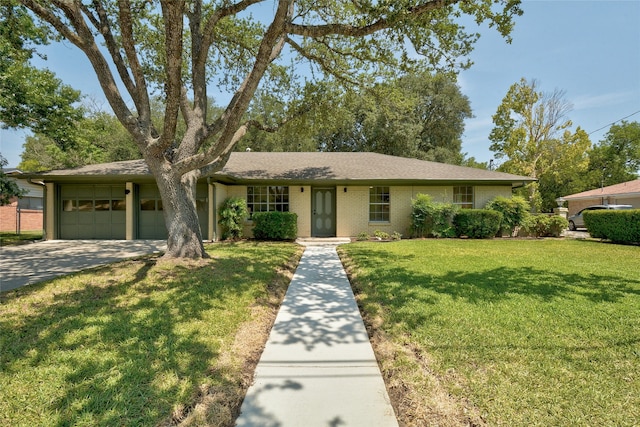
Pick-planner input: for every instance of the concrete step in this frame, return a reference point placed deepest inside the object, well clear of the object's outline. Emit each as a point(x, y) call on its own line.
point(321, 241)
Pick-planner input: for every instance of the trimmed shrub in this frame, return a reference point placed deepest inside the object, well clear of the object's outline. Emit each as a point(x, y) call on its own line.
point(431, 219)
point(557, 225)
point(545, 225)
point(233, 213)
point(620, 226)
point(381, 235)
point(363, 236)
point(514, 212)
point(275, 225)
point(477, 223)
point(443, 220)
point(421, 220)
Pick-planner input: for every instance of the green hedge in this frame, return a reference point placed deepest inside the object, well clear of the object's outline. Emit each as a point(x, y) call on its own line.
point(431, 219)
point(477, 223)
point(514, 212)
point(620, 226)
point(275, 225)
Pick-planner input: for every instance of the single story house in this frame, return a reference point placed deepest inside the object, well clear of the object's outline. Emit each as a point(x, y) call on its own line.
point(24, 213)
point(626, 193)
point(333, 194)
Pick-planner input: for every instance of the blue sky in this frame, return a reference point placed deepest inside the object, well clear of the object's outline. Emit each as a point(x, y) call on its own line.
point(589, 49)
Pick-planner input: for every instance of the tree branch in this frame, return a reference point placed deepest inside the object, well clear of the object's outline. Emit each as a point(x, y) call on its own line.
point(321, 62)
point(172, 17)
point(212, 22)
point(139, 90)
point(83, 38)
point(315, 31)
point(229, 122)
point(304, 108)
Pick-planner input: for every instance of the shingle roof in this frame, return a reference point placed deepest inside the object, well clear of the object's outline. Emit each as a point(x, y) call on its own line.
point(309, 167)
point(626, 188)
point(351, 167)
point(125, 168)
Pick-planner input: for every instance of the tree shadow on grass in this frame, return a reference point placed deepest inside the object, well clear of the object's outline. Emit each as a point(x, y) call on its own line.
point(129, 350)
point(499, 283)
point(398, 287)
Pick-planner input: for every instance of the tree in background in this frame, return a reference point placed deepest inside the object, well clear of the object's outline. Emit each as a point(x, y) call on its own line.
point(31, 98)
point(98, 138)
point(532, 133)
point(440, 109)
point(289, 124)
point(182, 48)
point(8, 187)
point(616, 158)
point(419, 115)
point(568, 172)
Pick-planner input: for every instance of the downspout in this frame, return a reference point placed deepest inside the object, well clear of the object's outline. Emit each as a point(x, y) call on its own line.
point(212, 195)
point(44, 204)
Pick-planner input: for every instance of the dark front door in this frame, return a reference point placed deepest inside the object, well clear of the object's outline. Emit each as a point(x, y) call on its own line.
point(323, 205)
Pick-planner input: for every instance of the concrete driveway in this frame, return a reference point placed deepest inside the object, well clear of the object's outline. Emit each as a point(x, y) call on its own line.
point(32, 263)
point(577, 234)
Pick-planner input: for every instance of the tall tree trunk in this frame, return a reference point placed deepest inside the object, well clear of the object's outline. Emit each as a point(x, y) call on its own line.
point(180, 214)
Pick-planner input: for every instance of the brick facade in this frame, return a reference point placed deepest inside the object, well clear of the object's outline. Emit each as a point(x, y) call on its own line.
point(352, 206)
point(30, 220)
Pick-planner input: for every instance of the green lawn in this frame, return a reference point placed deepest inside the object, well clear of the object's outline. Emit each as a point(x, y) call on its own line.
point(134, 343)
point(9, 239)
point(517, 332)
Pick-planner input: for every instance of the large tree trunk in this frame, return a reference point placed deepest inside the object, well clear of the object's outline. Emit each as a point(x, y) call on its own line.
point(180, 214)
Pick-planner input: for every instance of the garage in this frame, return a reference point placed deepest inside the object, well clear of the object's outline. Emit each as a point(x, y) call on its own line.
point(95, 211)
point(151, 223)
point(150, 215)
point(92, 212)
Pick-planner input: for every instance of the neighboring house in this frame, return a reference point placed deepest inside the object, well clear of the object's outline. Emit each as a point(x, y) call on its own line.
point(25, 213)
point(333, 194)
point(626, 193)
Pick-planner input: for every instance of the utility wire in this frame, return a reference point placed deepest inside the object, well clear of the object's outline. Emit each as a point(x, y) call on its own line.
point(613, 123)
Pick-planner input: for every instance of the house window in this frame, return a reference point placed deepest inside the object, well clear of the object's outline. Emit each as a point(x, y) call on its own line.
point(463, 196)
point(379, 204)
point(30, 203)
point(150, 204)
point(267, 198)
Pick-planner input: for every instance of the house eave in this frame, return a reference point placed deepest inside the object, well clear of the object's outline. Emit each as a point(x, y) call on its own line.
point(601, 195)
point(231, 180)
point(89, 179)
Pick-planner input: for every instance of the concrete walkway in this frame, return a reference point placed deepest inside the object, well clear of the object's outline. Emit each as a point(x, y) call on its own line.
point(318, 367)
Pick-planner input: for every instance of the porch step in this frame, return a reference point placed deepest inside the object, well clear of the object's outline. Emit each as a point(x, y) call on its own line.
point(321, 241)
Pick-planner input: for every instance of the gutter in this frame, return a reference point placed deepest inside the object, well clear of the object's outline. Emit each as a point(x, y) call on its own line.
point(601, 195)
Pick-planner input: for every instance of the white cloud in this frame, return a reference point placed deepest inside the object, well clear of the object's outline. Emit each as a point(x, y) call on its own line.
point(584, 102)
point(477, 124)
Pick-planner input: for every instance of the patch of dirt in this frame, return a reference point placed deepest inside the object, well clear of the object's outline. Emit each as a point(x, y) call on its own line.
point(219, 406)
point(418, 395)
